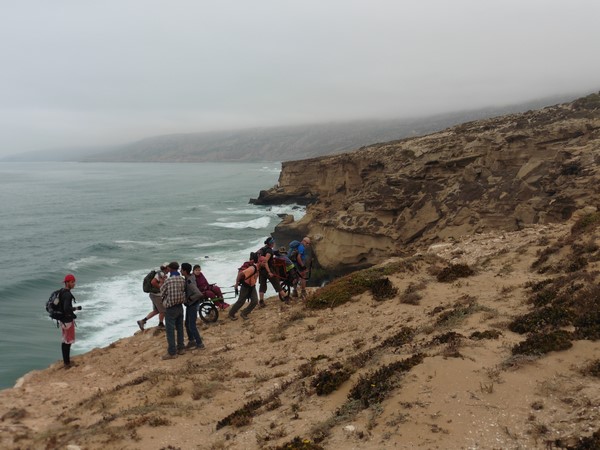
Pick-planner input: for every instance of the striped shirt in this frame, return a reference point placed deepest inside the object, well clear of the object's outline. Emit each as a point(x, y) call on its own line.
point(173, 291)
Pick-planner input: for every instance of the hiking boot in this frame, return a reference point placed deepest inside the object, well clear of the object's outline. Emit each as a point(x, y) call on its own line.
point(200, 347)
point(232, 317)
point(169, 356)
point(161, 325)
point(190, 344)
point(181, 351)
point(70, 365)
point(243, 316)
point(141, 324)
point(262, 304)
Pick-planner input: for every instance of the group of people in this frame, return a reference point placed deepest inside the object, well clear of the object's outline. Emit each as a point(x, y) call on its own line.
point(175, 287)
point(261, 268)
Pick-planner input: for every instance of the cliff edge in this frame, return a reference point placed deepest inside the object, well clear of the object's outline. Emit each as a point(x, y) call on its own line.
point(504, 173)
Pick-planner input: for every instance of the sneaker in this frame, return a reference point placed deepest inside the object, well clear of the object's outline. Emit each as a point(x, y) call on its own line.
point(190, 344)
point(161, 325)
point(181, 351)
point(200, 347)
point(244, 316)
point(169, 356)
point(232, 317)
point(141, 324)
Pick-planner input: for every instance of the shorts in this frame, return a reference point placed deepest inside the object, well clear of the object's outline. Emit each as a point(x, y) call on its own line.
point(68, 332)
point(262, 280)
point(157, 303)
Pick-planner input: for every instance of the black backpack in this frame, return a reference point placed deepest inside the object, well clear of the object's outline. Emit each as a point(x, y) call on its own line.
point(147, 284)
point(54, 307)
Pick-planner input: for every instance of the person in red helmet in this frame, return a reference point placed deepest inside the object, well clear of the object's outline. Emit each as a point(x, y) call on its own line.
point(67, 323)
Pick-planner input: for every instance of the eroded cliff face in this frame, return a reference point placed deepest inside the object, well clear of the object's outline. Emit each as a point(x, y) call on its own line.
point(500, 173)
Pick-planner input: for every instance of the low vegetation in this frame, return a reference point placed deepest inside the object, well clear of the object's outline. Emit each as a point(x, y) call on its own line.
point(343, 289)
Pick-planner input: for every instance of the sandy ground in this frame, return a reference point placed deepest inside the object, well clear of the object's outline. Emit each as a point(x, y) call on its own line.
point(465, 394)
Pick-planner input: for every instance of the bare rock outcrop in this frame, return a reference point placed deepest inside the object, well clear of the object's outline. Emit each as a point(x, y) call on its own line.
point(537, 167)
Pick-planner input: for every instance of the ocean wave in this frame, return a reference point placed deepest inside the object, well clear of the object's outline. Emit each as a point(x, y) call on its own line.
point(101, 247)
point(255, 224)
point(297, 211)
point(131, 244)
point(90, 261)
point(270, 169)
point(216, 243)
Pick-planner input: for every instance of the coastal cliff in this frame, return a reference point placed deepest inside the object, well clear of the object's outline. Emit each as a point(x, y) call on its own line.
point(385, 199)
point(480, 341)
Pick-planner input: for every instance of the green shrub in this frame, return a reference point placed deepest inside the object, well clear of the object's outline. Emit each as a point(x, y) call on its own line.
point(299, 444)
point(330, 379)
point(343, 289)
point(586, 223)
point(540, 343)
point(541, 319)
point(453, 272)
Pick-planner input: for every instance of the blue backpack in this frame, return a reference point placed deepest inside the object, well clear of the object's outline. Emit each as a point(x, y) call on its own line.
point(293, 250)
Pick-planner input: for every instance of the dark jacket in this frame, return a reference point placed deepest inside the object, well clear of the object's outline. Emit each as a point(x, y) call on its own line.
point(66, 299)
point(192, 293)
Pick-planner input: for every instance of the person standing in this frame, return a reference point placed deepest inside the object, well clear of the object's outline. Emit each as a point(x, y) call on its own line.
point(67, 323)
point(173, 295)
point(265, 273)
point(192, 297)
point(246, 279)
point(300, 261)
point(156, 298)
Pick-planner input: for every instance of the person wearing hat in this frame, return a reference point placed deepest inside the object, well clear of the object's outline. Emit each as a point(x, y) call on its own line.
point(67, 323)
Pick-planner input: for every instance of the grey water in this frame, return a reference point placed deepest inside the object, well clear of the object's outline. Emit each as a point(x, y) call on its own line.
point(109, 224)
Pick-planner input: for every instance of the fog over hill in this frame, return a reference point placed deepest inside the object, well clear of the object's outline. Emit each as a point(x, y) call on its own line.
point(273, 143)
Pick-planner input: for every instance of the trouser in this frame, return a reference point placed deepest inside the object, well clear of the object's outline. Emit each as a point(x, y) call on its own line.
point(174, 323)
point(245, 292)
point(191, 313)
point(263, 277)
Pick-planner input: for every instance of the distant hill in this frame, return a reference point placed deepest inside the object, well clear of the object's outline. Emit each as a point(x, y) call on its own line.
point(293, 142)
point(281, 143)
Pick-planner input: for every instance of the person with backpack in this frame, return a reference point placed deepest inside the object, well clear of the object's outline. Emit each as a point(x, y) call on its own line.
point(151, 285)
point(265, 272)
point(67, 321)
point(192, 302)
point(246, 280)
point(173, 295)
point(297, 253)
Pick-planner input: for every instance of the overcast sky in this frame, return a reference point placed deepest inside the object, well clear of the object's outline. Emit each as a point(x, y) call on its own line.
point(84, 72)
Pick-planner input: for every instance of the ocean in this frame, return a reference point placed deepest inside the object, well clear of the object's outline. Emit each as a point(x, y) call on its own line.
point(109, 224)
